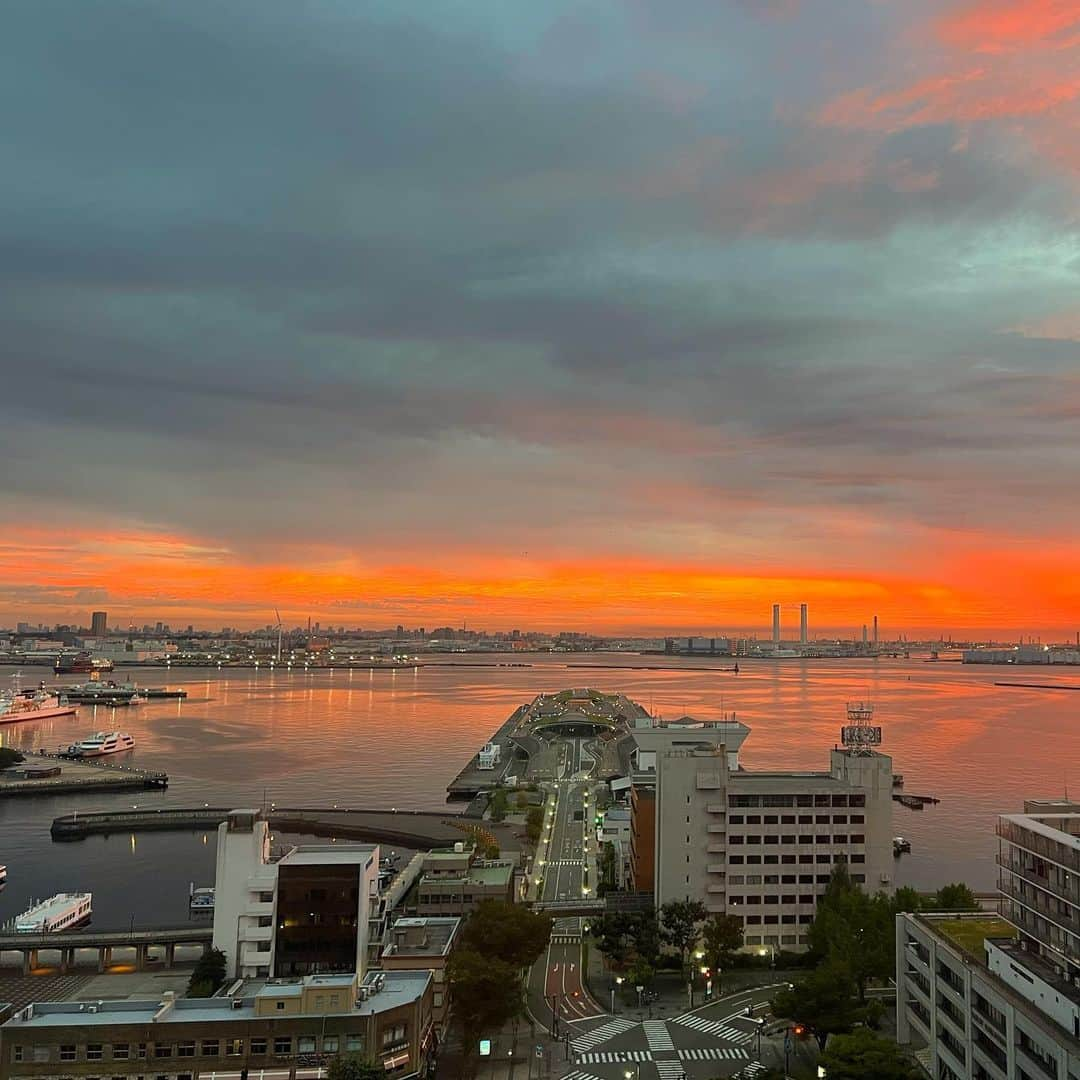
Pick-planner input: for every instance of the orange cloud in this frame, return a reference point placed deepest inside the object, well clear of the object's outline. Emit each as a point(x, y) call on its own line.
point(147, 577)
point(997, 26)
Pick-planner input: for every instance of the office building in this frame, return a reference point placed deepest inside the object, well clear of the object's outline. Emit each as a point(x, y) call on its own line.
point(995, 998)
point(308, 912)
point(760, 845)
point(99, 624)
point(284, 1030)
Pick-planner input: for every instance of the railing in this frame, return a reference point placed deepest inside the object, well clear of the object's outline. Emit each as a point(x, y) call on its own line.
point(1028, 874)
point(1069, 920)
point(1053, 850)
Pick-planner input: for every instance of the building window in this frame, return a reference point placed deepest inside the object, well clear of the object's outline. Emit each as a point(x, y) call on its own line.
point(824, 860)
point(305, 1044)
point(234, 1047)
point(185, 1049)
point(330, 1042)
point(67, 1053)
point(788, 860)
point(393, 1035)
point(354, 1044)
point(858, 838)
point(283, 1044)
point(839, 819)
point(771, 819)
point(753, 920)
point(162, 1050)
point(772, 860)
point(94, 1052)
point(753, 819)
point(822, 838)
point(41, 1054)
point(787, 819)
point(857, 819)
point(266, 898)
point(753, 859)
point(280, 1006)
point(736, 819)
point(839, 838)
point(806, 819)
point(141, 1052)
point(210, 1048)
point(16, 1053)
point(258, 1047)
point(120, 1051)
point(787, 879)
point(735, 860)
point(806, 898)
point(803, 859)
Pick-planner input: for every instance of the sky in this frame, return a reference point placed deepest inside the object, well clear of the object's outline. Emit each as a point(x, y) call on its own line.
point(623, 315)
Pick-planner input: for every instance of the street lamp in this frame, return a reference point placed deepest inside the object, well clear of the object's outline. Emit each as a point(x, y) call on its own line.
point(618, 982)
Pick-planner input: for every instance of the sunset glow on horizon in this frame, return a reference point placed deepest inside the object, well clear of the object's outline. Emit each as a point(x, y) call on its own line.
point(626, 317)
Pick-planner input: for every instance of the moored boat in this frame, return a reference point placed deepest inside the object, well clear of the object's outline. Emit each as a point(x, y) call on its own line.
point(60, 912)
point(33, 705)
point(100, 744)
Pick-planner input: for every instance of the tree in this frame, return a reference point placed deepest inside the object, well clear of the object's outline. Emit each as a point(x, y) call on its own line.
point(208, 974)
point(352, 1067)
point(641, 974)
point(497, 806)
point(955, 897)
point(680, 920)
point(721, 938)
point(862, 1054)
point(906, 899)
point(855, 928)
point(9, 757)
point(534, 822)
point(824, 1002)
point(506, 932)
point(487, 992)
point(522, 800)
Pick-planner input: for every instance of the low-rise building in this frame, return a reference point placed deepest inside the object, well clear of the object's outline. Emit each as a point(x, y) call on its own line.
point(285, 1030)
point(424, 944)
point(453, 881)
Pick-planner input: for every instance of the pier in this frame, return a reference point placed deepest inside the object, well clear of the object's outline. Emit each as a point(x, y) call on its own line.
point(146, 946)
point(528, 740)
point(416, 829)
point(75, 776)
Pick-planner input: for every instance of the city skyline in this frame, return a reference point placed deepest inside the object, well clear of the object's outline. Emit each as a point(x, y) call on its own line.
point(633, 318)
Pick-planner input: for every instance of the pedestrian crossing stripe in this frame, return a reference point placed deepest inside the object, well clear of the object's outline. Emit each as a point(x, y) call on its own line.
point(601, 1034)
point(613, 1057)
point(657, 1035)
point(577, 1074)
point(714, 1053)
point(670, 1070)
point(565, 939)
point(749, 1071)
point(714, 1027)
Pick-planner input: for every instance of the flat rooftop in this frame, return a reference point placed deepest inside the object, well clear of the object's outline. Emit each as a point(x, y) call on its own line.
point(970, 933)
point(422, 936)
point(399, 988)
point(323, 854)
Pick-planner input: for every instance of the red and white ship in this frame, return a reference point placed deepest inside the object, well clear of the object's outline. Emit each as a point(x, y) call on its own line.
point(33, 705)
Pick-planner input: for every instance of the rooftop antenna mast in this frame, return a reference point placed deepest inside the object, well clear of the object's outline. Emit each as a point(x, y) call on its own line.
point(278, 614)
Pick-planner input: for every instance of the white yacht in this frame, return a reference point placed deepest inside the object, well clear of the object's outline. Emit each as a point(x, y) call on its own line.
point(59, 912)
point(102, 743)
point(3, 875)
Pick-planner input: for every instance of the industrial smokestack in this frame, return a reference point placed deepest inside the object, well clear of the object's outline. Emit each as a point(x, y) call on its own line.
point(864, 633)
point(802, 624)
point(875, 631)
point(776, 624)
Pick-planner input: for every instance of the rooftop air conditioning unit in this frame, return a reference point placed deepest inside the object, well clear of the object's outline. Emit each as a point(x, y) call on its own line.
point(365, 993)
point(92, 1008)
point(884, 879)
point(237, 1003)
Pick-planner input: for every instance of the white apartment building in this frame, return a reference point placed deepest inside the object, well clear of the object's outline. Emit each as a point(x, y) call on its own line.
point(308, 912)
point(989, 998)
point(762, 845)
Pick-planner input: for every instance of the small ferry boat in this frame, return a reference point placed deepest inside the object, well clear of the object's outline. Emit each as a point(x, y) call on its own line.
point(103, 693)
point(60, 912)
point(3, 875)
point(33, 705)
point(102, 743)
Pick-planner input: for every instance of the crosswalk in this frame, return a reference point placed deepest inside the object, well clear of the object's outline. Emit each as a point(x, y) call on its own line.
point(657, 1036)
point(714, 1053)
point(748, 1072)
point(577, 1074)
point(714, 1027)
point(565, 939)
point(670, 1070)
point(613, 1057)
point(601, 1034)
